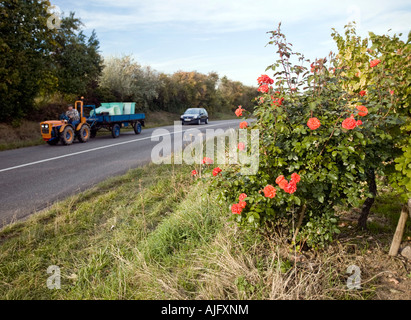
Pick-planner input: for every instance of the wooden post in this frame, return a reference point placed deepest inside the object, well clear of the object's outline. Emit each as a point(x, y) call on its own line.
point(396, 241)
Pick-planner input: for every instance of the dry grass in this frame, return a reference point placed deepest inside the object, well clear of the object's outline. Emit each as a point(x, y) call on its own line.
point(27, 134)
point(155, 234)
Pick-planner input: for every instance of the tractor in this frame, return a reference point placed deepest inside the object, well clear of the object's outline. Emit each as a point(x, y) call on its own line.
point(65, 130)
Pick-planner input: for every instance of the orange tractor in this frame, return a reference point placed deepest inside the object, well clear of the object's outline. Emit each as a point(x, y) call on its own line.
point(54, 131)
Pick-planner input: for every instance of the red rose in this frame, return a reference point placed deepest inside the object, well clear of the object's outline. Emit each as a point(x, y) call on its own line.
point(374, 63)
point(239, 111)
point(313, 123)
point(359, 123)
point(263, 88)
point(194, 172)
point(363, 111)
point(264, 79)
point(283, 183)
point(349, 123)
point(363, 93)
point(391, 92)
point(216, 171)
point(207, 160)
point(236, 209)
point(279, 179)
point(242, 197)
point(242, 204)
point(243, 125)
point(291, 187)
point(277, 102)
point(295, 177)
point(269, 191)
point(241, 146)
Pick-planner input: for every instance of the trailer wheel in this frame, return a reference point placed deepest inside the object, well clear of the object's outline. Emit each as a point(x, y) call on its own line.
point(84, 133)
point(137, 128)
point(115, 131)
point(67, 136)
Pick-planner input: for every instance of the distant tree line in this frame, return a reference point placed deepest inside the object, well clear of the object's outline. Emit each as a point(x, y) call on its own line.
point(40, 66)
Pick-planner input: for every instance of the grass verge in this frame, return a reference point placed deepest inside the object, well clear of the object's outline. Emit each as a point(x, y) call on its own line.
point(155, 233)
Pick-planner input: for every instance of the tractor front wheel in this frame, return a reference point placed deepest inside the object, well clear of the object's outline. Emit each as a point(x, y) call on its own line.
point(67, 136)
point(84, 133)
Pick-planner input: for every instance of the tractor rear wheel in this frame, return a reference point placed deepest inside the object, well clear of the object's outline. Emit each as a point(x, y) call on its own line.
point(84, 133)
point(115, 131)
point(67, 136)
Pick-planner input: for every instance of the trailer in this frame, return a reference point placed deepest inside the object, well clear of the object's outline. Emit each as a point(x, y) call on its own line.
point(66, 130)
point(114, 123)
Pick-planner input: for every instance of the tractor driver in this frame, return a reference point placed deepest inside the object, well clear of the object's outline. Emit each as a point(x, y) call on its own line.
point(72, 114)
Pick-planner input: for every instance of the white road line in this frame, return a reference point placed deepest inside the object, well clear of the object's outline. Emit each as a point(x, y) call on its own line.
point(94, 149)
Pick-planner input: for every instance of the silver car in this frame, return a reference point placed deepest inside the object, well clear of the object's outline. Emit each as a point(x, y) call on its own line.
point(194, 116)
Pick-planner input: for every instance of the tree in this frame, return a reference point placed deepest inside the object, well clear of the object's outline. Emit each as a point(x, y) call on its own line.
point(76, 60)
point(129, 81)
point(25, 47)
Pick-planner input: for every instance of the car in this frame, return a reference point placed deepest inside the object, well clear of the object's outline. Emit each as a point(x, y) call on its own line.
point(194, 115)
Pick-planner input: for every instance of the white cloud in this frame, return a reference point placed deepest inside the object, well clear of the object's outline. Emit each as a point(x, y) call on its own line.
point(238, 15)
point(307, 25)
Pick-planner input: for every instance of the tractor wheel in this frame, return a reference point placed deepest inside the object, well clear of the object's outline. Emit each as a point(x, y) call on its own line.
point(115, 131)
point(93, 133)
point(137, 128)
point(84, 133)
point(67, 136)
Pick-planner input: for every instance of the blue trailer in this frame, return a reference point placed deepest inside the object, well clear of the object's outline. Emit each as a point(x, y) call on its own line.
point(65, 130)
point(114, 123)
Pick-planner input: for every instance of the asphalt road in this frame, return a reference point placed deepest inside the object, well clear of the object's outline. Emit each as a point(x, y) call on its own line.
point(33, 178)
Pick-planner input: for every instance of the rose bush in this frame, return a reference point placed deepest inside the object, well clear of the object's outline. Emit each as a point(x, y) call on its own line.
point(309, 122)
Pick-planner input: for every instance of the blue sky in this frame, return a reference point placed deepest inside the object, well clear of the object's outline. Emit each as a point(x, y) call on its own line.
point(227, 36)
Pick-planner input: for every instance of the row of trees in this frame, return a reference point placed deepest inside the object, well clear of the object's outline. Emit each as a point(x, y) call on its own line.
point(125, 80)
point(40, 65)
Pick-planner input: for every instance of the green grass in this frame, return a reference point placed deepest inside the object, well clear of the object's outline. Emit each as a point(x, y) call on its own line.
point(386, 212)
point(97, 238)
point(155, 233)
point(21, 144)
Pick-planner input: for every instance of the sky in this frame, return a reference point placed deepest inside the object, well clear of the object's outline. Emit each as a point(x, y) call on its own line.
point(226, 36)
